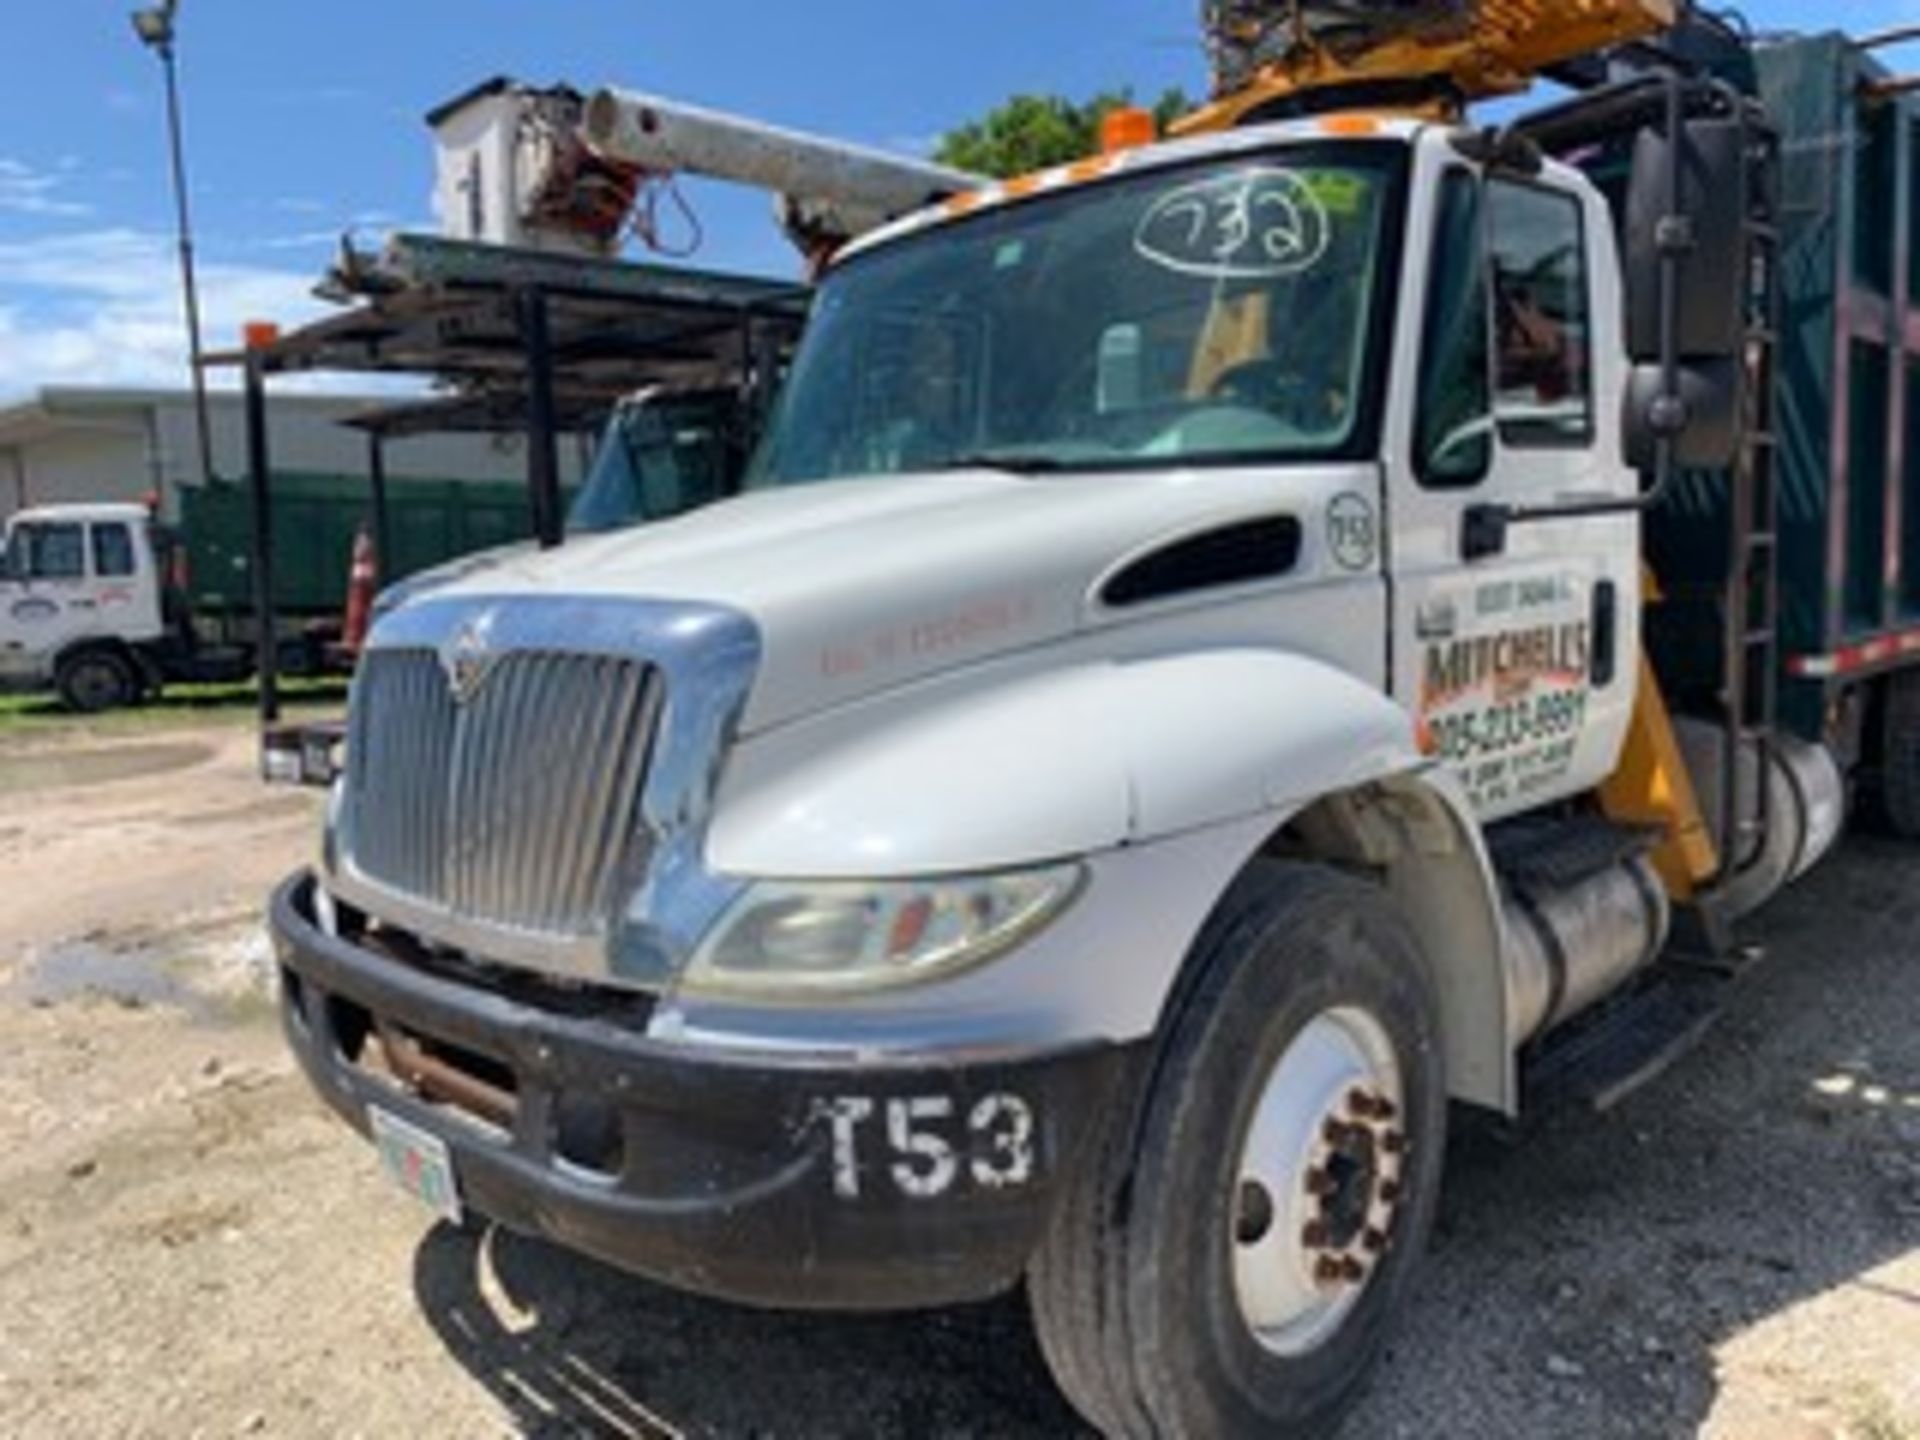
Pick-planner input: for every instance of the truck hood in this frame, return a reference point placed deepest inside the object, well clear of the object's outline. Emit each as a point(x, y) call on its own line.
point(858, 586)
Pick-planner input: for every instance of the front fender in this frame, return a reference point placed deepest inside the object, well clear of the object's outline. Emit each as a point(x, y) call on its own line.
point(971, 773)
point(1170, 775)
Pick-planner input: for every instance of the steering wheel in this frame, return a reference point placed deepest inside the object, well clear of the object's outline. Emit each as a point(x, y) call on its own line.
point(1276, 388)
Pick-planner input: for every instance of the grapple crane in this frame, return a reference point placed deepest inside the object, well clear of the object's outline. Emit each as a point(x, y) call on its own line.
point(1272, 57)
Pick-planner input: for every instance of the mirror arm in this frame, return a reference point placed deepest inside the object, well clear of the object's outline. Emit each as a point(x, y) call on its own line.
point(1676, 239)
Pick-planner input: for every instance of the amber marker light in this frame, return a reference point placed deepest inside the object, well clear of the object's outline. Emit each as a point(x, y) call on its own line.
point(1127, 128)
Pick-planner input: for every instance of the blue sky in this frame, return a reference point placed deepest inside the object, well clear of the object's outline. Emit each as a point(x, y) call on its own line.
point(304, 119)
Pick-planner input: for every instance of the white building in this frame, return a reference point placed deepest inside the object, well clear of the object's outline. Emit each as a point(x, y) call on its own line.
point(72, 444)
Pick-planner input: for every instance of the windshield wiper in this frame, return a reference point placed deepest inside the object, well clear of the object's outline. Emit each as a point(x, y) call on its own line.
point(1014, 462)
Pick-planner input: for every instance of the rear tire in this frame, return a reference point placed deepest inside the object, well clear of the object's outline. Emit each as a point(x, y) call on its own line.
point(1900, 755)
point(97, 680)
point(1199, 1278)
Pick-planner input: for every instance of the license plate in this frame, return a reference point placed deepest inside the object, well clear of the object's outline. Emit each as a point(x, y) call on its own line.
point(417, 1162)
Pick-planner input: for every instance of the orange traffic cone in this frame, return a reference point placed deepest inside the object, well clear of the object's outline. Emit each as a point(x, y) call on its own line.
point(363, 580)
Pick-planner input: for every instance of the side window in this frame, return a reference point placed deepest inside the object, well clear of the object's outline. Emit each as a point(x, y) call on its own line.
point(112, 551)
point(1454, 426)
point(1542, 332)
point(56, 552)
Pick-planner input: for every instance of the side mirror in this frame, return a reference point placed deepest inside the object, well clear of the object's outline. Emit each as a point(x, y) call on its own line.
point(1710, 169)
point(1702, 419)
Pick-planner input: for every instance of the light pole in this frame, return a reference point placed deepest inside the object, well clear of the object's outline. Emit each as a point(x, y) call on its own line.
point(154, 26)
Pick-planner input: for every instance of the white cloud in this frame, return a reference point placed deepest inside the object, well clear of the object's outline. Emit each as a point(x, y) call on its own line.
point(103, 307)
point(27, 191)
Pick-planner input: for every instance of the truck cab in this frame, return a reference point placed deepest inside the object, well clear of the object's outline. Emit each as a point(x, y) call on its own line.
point(80, 596)
point(1132, 757)
point(1253, 327)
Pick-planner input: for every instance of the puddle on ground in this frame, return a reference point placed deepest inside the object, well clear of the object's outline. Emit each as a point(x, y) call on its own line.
point(63, 769)
point(211, 980)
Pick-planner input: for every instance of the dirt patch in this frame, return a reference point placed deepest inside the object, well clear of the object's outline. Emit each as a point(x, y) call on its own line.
point(189, 1244)
point(78, 769)
point(184, 831)
point(288, 805)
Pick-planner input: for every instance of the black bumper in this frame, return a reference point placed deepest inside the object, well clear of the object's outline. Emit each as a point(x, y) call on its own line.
point(767, 1180)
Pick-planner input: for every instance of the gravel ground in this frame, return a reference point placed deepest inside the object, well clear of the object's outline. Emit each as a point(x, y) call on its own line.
point(189, 1246)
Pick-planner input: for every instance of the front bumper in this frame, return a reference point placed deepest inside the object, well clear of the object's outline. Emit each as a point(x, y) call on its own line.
point(771, 1179)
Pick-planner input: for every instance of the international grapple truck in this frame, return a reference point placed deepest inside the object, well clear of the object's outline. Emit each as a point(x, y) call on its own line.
point(1232, 650)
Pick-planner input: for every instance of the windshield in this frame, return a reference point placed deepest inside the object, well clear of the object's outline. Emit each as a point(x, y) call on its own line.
point(1216, 313)
point(661, 456)
point(48, 550)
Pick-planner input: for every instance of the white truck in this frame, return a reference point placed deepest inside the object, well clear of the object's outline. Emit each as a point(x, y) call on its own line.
point(1173, 713)
point(82, 601)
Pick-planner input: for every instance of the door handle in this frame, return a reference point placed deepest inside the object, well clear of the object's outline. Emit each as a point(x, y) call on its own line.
point(1483, 532)
point(1606, 634)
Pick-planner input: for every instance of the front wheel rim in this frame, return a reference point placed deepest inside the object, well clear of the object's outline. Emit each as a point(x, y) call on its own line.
point(1319, 1184)
point(96, 683)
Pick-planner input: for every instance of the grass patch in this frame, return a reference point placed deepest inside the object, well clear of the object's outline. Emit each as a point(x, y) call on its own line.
point(41, 714)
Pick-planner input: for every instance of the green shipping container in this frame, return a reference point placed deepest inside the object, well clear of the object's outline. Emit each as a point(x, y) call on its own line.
point(315, 519)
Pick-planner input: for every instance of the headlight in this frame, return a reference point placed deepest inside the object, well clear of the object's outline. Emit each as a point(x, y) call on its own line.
point(802, 939)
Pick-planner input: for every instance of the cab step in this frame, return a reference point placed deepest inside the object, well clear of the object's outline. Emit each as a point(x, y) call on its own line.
point(1598, 1061)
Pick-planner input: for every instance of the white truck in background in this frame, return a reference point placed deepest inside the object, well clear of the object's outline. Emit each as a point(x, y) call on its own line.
point(83, 604)
point(1173, 714)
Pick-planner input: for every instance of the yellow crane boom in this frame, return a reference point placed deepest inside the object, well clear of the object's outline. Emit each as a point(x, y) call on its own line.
point(1267, 51)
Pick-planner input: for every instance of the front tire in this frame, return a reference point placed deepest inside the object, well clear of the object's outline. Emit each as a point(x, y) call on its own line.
point(97, 680)
point(1229, 1263)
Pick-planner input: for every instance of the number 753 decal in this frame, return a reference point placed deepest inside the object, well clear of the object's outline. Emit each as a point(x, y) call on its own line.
point(926, 1145)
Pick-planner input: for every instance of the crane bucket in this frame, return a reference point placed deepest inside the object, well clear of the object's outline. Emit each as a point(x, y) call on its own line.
point(1313, 54)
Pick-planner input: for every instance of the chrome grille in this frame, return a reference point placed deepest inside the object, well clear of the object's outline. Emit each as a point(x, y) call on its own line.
point(515, 808)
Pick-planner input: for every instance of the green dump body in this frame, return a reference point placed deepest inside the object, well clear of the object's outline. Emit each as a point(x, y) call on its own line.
point(315, 519)
point(1847, 395)
point(1849, 392)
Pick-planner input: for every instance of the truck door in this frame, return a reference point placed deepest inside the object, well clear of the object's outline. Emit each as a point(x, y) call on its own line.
point(50, 605)
point(1514, 646)
point(126, 583)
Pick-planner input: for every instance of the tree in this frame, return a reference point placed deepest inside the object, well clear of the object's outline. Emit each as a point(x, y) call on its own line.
point(1036, 132)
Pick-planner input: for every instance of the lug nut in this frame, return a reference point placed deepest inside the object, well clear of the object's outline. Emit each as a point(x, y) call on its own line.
point(1389, 1192)
point(1361, 1103)
point(1313, 1235)
point(1329, 1271)
point(1352, 1271)
point(1375, 1241)
point(1393, 1142)
point(1341, 1135)
point(1320, 1184)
